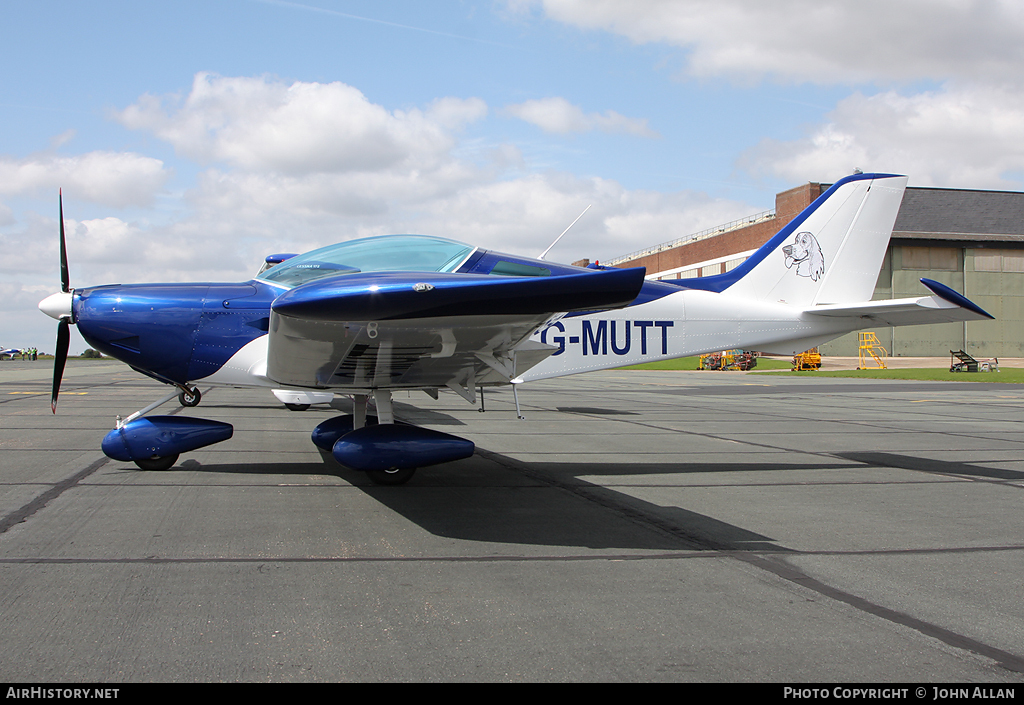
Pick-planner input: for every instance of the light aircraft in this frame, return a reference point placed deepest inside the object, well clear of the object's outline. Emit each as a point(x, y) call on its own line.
point(409, 312)
point(8, 351)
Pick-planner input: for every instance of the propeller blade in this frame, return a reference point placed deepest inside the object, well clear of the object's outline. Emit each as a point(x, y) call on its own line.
point(65, 279)
point(60, 358)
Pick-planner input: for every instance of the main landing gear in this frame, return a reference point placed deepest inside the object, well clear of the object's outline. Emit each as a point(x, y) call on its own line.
point(394, 476)
point(157, 463)
point(387, 452)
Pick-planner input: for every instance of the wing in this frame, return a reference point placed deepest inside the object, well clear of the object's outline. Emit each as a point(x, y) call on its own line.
point(426, 330)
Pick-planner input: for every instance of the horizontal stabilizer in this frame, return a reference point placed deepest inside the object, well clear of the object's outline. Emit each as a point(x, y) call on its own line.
point(946, 307)
point(412, 295)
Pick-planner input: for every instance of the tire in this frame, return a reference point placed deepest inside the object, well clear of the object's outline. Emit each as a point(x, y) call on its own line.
point(190, 398)
point(391, 477)
point(297, 407)
point(162, 463)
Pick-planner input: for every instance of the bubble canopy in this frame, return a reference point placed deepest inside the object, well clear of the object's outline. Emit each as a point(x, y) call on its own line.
point(387, 253)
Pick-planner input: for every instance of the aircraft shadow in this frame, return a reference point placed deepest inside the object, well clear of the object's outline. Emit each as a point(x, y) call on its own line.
point(494, 499)
point(937, 467)
point(490, 499)
point(595, 410)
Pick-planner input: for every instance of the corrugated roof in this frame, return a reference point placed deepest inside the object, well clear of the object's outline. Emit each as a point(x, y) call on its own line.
point(967, 217)
point(961, 212)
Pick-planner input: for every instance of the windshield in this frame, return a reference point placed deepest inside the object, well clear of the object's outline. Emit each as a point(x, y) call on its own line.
point(388, 253)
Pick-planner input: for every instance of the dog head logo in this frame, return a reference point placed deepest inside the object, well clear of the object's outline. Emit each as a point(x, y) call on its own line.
point(805, 254)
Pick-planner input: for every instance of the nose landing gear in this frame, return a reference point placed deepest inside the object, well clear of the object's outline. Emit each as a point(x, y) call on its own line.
point(155, 442)
point(190, 396)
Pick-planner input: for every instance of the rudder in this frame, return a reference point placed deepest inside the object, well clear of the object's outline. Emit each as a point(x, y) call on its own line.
point(830, 253)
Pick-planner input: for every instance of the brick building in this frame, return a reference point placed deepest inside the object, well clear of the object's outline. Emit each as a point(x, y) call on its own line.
point(970, 240)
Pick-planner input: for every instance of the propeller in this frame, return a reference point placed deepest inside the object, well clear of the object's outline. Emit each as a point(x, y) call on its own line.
point(60, 358)
point(59, 306)
point(65, 280)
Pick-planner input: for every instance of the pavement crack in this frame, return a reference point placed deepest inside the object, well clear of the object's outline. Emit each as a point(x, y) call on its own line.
point(27, 510)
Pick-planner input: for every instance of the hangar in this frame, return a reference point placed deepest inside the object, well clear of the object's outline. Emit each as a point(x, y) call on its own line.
point(971, 240)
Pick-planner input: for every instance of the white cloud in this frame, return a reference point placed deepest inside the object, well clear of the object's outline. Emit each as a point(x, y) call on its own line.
point(525, 216)
point(115, 179)
point(109, 249)
point(15, 296)
point(965, 133)
point(456, 113)
point(295, 166)
point(307, 164)
point(822, 42)
point(965, 137)
point(559, 116)
point(290, 167)
point(262, 124)
point(260, 214)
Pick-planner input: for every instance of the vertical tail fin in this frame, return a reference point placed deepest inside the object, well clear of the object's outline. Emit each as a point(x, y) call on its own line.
point(829, 254)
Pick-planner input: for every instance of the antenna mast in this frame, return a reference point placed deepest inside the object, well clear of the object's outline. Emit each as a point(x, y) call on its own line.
point(564, 232)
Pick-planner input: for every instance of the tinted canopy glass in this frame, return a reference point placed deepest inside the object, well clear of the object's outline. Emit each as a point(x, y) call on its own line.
point(388, 253)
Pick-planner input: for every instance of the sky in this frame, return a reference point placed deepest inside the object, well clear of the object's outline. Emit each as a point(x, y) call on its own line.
point(192, 139)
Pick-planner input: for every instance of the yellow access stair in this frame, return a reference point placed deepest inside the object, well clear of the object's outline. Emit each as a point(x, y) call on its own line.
point(871, 350)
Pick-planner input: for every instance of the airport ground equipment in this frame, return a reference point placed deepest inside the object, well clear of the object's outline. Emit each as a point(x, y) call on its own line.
point(966, 362)
point(740, 360)
point(807, 360)
point(869, 349)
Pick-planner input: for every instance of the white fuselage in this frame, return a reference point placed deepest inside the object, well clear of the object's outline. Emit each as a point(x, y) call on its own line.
point(685, 323)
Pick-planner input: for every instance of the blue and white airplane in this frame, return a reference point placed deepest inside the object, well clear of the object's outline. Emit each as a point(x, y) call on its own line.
point(367, 317)
point(9, 351)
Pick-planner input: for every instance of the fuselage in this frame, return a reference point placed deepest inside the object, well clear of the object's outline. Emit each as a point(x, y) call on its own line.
point(217, 332)
point(311, 321)
point(371, 316)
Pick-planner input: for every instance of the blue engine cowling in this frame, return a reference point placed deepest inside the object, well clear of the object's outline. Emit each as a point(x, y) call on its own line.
point(162, 436)
point(390, 446)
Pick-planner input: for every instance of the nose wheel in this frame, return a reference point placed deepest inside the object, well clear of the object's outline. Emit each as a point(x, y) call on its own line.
point(190, 396)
